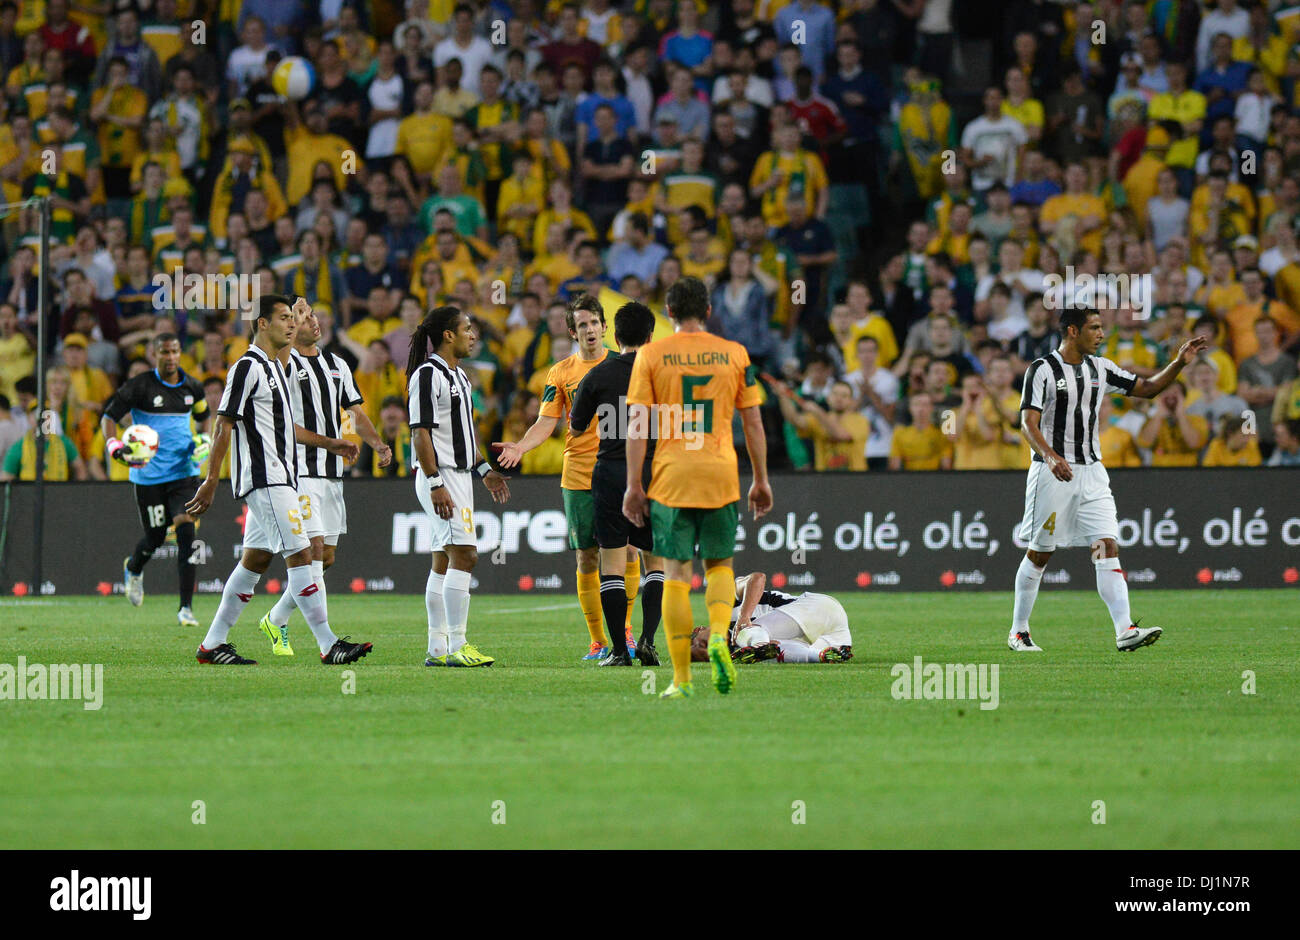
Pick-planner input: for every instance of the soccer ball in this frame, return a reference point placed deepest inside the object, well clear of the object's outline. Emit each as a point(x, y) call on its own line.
point(294, 78)
point(141, 442)
point(752, 636)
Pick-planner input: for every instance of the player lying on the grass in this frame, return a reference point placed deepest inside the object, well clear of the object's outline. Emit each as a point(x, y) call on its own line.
point(322, 388)
point(694, 383)
point(602, 396)
point(163, 398)
point(585, 318)
point(257, 412)
point(445, 443)
point(768, 624)
point(1068, 501)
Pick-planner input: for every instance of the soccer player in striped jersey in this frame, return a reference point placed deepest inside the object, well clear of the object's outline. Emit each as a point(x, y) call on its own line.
point(769, 624)
point(1068, 501)
point(441, 413)
point(257, 412)
point(165, 399)
point(696, 382)
point(321, 388)
point(586, 322)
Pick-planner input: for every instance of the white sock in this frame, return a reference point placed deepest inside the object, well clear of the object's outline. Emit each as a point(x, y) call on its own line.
point(234, 598)
point(307, 595)
point(283, 609)
point(1113, 589)
point(434, 607)
point(318, 575)
point(455, 593)
point(1028, 577)
point(797, 651)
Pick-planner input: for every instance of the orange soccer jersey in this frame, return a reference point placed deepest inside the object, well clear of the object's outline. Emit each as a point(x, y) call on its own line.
point(695, 458)
point(557, 401)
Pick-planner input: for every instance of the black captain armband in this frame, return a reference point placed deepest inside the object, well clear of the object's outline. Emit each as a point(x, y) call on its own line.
point(483, 468)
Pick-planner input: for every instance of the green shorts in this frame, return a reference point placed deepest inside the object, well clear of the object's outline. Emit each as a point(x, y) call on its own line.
point(580, 515)
point(678, 533)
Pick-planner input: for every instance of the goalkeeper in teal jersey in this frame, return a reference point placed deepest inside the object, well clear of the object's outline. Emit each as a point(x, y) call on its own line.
point(164, 398)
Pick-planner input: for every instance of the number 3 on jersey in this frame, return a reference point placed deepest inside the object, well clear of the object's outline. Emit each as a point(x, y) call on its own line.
point(697, 413)
point(301, 515)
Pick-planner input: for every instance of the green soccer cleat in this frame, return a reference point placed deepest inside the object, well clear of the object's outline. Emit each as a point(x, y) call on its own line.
point(279, 636)
point(685, 690)
point(468, 655)
point(436, 660)
point(724, 670)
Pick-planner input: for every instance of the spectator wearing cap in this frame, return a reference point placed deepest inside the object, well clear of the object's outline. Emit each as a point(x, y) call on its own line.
point(91, 384)
point(232, 189)
point(239, 126)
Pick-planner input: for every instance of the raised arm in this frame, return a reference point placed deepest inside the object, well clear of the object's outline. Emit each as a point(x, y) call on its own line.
point(1150, 388)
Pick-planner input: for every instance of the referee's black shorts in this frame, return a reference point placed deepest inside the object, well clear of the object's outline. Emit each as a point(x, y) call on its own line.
point(608, 486)
point(160, 503)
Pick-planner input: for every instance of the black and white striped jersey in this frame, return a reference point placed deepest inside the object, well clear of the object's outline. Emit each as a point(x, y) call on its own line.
point(440, 401)
point(322, 387)
point(1069, 397)
point(770, 600)
point(258, 401)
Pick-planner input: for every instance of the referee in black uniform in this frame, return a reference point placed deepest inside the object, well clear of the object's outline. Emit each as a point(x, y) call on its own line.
point(602, 396)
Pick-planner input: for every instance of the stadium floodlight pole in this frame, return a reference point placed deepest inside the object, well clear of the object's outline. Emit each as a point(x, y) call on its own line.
point(42, 312)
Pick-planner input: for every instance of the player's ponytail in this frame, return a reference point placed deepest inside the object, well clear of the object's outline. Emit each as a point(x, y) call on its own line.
point(429, 332)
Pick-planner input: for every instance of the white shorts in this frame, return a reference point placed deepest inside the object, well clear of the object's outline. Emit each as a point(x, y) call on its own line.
point(810, 617)
point(275, 521)
point(329, 512)
point(459, 529)
point(1068, 515)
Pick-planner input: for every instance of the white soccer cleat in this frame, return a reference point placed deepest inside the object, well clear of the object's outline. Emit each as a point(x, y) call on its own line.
point(1021, 643)
point(185, 617)
point(1136, 637)
point(134, 584)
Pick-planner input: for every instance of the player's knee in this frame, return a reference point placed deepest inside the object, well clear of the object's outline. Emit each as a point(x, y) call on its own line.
point(1039, 559)
point(155, 537)
point(327, 556)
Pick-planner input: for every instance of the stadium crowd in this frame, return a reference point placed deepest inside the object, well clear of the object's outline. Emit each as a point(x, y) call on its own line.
point(874, 227)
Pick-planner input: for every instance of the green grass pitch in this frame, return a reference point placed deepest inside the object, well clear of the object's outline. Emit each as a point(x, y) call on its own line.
point(572, 755)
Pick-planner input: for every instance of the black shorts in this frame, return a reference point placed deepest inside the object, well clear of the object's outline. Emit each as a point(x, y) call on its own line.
point(608, 487)
point(160, 503)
